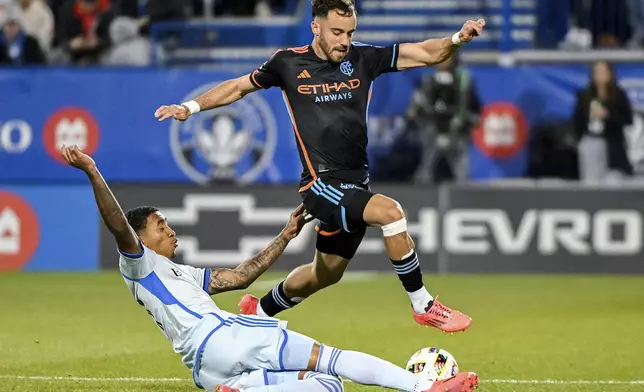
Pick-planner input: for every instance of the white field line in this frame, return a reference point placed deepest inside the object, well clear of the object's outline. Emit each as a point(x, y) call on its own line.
point(175, 380)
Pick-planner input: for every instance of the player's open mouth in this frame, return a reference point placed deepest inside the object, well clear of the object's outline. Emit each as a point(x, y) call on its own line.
point(176, 243)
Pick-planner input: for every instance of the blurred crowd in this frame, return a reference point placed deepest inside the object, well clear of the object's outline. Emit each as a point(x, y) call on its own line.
point(115, 31)
point(111, 32)
point(585, 24)
point(590, 146)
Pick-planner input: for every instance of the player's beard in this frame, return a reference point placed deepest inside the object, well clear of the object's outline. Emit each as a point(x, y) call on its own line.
point(334, 56)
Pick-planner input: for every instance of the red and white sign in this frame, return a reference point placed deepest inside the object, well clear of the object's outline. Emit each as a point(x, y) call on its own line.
point(503, 130)
point(19, 231)
point(71, 126)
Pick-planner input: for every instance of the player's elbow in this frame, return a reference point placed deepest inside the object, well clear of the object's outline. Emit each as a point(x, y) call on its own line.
point(243, 86)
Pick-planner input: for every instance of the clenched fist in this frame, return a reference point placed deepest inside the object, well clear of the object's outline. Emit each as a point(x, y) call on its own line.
point(471, 29)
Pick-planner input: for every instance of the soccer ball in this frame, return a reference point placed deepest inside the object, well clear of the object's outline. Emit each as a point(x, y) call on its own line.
point(432, 364)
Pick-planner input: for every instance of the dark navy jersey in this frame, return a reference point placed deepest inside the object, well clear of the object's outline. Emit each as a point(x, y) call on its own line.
point(328, 102)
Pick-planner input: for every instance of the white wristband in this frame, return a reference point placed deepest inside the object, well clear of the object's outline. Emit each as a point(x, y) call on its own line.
point(193, 106)
point(456, 39)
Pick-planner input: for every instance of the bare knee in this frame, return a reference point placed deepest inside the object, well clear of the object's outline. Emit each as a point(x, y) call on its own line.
point(382, 210)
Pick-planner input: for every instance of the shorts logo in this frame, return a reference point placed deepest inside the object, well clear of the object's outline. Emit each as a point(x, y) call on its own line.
point(19, 231)
point(346, 68)
point(235, 142)
point(69, 126)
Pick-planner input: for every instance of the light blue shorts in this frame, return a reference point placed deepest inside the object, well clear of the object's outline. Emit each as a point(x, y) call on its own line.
point(242, 351)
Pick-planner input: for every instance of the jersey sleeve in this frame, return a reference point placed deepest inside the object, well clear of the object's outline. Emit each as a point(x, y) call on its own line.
point(200, 275)
point(268, 75)
point(137, 266)
point(379, 59)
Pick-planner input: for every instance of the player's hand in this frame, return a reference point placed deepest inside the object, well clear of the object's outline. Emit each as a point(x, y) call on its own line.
point(471, 29)
point(299, 218)
point(178, 112)
point(76, 158)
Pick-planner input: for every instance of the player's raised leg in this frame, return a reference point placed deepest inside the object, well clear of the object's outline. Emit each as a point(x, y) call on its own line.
point(302, 282)
point(388, 214)
point(334, 250)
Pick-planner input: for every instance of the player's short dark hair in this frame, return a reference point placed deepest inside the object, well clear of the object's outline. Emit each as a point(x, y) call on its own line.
point(321, 8)
point(138, 217)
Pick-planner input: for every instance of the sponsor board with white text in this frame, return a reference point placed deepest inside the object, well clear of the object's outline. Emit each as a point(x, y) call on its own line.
point(456, 229)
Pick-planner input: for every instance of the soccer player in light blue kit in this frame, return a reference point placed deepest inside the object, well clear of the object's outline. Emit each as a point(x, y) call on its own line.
point(227, 352)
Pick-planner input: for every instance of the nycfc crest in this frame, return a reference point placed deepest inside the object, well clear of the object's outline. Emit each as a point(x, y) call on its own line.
point(234, 143)
point(346, 68)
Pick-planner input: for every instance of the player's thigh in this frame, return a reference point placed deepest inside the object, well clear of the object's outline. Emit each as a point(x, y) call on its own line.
point(244, 344)
point(339, 206)
point(285, 351)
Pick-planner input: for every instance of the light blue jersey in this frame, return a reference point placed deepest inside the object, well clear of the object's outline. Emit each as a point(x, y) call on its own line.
point(219, 347)
point(175, 296)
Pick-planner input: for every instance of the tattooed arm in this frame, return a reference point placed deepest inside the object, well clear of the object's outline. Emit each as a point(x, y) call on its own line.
point(110, 210)
point(223, 279)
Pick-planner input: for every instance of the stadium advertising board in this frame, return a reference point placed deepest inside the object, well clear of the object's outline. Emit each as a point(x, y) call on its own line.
point(456, 229)
point(48, 228)
point(252, 140)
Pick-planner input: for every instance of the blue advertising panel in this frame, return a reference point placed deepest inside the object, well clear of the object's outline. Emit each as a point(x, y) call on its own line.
point(110, 113)
point(48, 228)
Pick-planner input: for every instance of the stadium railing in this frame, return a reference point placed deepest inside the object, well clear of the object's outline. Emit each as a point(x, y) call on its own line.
point(239, 44)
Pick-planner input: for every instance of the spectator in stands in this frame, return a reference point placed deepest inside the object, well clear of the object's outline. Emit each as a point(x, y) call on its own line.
point(17, 48)
point(601, 114)
point(3, 6)
point(444, 109)
point(129, 48)
point(129, 8)
point(159, 10)
point(636, 17)
point(38, 21)
point(83, 29)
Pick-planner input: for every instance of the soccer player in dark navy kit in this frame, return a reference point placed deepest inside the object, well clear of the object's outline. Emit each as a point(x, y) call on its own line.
point(326, 87)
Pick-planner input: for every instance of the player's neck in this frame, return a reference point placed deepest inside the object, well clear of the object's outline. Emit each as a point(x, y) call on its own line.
point(317, 49)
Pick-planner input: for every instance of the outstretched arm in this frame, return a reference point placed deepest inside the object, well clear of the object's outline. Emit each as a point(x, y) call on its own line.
point(435, 51)
point(110, 210)
point(223, 94)
point(223, 279)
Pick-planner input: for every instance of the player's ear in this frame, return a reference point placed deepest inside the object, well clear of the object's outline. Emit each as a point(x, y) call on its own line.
point(315, 28)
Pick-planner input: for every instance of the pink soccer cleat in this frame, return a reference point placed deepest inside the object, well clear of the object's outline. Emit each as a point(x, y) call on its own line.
point(248, 305)
point(443, 318)
point(223, 388)
point(462, 382)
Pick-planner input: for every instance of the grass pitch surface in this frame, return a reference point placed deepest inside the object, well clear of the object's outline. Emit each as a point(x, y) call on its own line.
point(84, 332)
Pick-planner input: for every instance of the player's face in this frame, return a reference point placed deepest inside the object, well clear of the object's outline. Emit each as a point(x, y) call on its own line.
point(334, 34)
point(158, 236)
